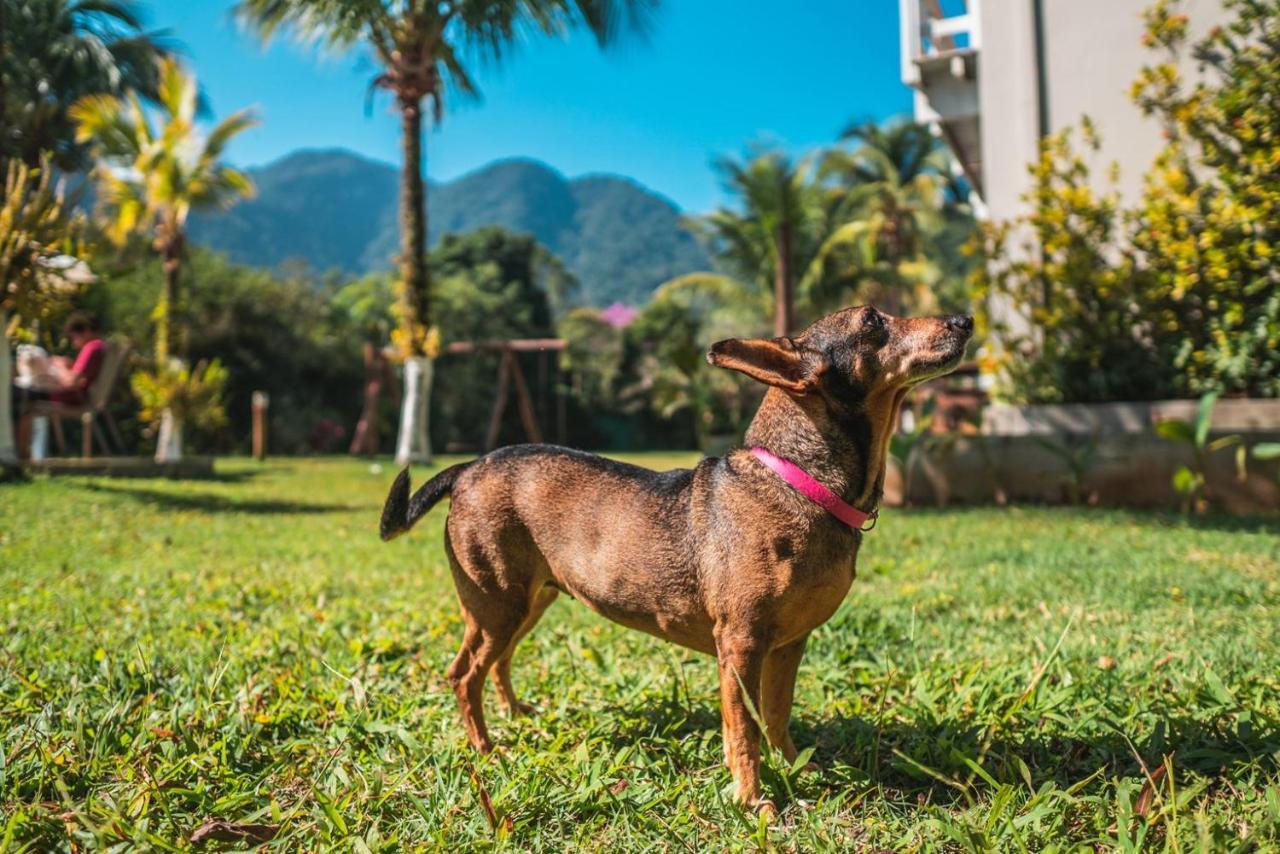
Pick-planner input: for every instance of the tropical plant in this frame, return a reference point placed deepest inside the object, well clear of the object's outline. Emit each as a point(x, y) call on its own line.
point(1209, 222)
point(54, 52)
point(1077, 455)
point(176, 395)
point(193, 395)
point(423, 47)
point(151, 178)
point(897, 184)
point(905, 445)
point(672, 377)
point(1191, 481)
point(780, 245)
point(38, 231)
point(1060, 295)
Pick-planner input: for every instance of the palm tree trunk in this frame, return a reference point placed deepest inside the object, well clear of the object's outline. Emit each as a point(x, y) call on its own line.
point(414, 304)
point(164, 317)
point(782, 287)
point(414, 443)
point(4, 143)
point(8, 449)
point(169, 439)
point(895, 299)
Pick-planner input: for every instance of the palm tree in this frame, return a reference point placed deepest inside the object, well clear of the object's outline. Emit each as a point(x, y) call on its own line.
point(152, 178)
point(781, 246)
point(898, 184)
point(37, 230)
point(54, 52)
point(422, 46)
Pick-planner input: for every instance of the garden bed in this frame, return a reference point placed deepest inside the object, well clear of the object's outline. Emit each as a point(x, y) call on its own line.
point(1027, 453)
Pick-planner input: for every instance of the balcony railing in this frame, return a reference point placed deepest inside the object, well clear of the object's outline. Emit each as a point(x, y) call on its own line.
point(929, 33)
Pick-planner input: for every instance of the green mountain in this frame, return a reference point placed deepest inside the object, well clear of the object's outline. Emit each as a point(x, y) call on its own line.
point(335, 210)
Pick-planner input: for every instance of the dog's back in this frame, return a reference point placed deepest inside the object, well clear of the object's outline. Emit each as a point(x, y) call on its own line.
point(615, 536)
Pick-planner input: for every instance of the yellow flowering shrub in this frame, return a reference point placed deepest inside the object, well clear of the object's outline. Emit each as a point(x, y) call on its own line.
point(1181, 295)
point(1209, 220)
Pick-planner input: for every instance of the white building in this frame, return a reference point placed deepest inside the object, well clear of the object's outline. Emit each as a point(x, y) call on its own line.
point(995, 76)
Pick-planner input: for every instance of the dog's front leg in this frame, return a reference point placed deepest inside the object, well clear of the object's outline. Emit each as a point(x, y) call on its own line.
point(777, 693)
point(741, 662)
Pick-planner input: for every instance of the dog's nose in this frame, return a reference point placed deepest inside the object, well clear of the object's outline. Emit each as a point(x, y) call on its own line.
point(962, 323)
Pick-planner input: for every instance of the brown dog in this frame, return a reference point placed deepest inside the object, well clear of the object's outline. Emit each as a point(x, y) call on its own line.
point(727, 558)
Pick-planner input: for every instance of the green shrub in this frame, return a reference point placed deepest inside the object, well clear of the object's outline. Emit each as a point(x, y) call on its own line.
point(1181, 295)
point(1061, 299)
point(1209, 222)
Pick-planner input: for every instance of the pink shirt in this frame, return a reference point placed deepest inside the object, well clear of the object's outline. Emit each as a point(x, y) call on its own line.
point(86, 368)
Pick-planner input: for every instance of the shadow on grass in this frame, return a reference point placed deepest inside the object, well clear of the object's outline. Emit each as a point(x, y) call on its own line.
point(1255, 523)
point(204, 502)
point(927, 758)
point(925, 761)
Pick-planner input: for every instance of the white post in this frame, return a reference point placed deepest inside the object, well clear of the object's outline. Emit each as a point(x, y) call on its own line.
point(8, 451)
point(39, 438)
point(413, 445)
point(169, 442)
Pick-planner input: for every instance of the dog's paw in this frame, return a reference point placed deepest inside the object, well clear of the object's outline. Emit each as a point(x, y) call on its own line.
point(518, 709)
point(766, 808)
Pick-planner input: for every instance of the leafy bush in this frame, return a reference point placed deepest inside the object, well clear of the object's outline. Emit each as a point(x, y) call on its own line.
point(1181, 295)
point(1209, 222)
point(193, 395)
point(280, 334)
point(1062, 296)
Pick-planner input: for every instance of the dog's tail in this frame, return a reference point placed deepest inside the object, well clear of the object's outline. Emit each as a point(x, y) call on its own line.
point(401, 512)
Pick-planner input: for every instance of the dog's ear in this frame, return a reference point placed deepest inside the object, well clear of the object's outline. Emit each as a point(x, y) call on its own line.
point(775, 361)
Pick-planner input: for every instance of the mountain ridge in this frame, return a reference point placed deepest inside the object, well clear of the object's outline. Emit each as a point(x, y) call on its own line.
point(337, 210)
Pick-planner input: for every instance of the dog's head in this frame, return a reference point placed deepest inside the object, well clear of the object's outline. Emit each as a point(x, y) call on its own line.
point(851, 355)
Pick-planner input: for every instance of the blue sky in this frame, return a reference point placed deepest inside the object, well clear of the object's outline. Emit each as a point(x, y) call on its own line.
point(713, 76)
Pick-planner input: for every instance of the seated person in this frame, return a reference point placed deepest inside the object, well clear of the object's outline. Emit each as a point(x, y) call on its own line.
point(70, 380)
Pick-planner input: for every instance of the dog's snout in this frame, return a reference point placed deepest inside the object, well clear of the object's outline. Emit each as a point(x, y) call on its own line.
point(962, 323)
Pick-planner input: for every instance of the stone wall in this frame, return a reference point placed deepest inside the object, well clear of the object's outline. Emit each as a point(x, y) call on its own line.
point(1130, 466)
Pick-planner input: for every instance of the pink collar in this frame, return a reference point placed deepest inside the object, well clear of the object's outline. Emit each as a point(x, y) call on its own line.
point(803, 483)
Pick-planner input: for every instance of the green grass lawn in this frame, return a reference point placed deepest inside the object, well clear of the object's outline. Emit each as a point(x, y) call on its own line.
point(246, 649)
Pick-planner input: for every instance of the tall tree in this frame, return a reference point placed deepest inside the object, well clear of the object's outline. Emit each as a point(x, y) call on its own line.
point(897, 182)
point(54, 52)
point(152, 177)
point(422, 46)
point(780, 244)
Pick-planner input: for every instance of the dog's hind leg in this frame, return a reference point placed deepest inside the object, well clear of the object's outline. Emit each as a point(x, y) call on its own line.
point(493, 616)
point(502, 670)
point(486, 637)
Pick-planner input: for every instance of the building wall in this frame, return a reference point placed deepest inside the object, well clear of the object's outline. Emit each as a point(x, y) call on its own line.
point(1008, 102)
point(1092, 54)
